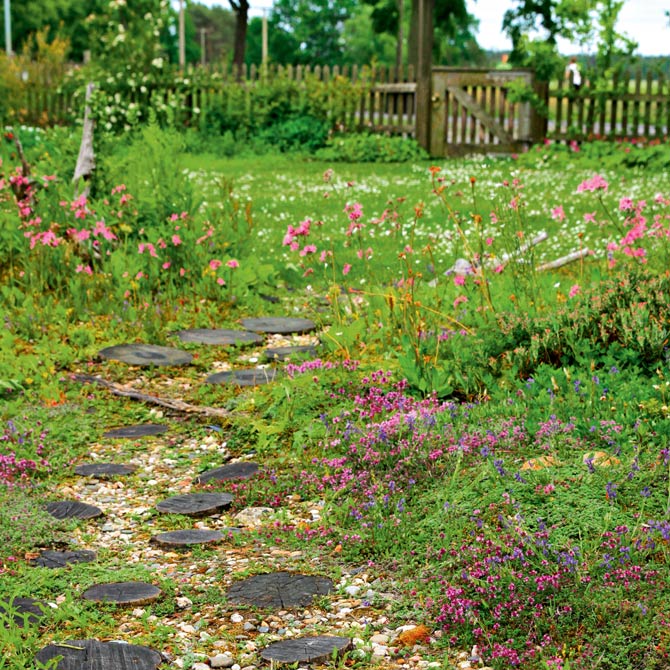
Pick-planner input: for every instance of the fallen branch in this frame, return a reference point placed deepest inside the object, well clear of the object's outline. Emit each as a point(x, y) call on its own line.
point(127, 392)
point(564, 260)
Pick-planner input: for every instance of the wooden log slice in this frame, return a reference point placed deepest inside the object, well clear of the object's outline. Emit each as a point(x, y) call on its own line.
point(195, 504)
point(316, 649)
point(60, 559)
point(279, 325)
point(95, 655)
point(234, 338)
point(250, 377)
point(185, 538)
point(21, 611)
point(279, 590)
point(72, 509)
point(242, 470)
point(146, 354)
point(140, 430)
point(104, 469)
point(122, 593)
point(288, 353)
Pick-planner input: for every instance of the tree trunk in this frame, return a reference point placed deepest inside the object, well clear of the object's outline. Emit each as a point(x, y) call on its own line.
point(398, 53)
point(413, 38)
point(241, 10)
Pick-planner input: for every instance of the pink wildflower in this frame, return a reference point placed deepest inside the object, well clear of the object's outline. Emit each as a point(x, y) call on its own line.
point(308, 249)
point(459, 300)
point(215, 264)
point(346, 268)
point(558, 214)
point(176, 240)
point(596, 183)
point(590, 217)
point(459, 280)
point(574, 290)
point(625, 204)
point(221, 281)
point(232, 263)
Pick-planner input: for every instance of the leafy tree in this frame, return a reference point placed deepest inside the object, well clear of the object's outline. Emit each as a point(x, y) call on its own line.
point(241, 10)
point(583, 21)
point(315, 27)
point(65, 19)
point(611, 44)
point(218, 27)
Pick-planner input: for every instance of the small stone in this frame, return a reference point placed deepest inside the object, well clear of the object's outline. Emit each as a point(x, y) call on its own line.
point(465, 665)
point(248, 626)
point(221, 661)
point(236, 618)
point(379, 650)
point(186, 627)
point(352, 590)
point(380, 638)
point(200, 666)
point(183, 602)
point(236, 666)
point(263, 629)
point(252, 516)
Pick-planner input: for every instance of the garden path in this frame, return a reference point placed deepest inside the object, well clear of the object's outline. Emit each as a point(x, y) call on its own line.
point(218, 587)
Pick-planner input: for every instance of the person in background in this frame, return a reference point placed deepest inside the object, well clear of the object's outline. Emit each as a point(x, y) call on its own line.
point(573, 74)
point(504, 63)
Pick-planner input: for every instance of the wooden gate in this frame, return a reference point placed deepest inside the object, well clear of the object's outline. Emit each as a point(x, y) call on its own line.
point(471, 112)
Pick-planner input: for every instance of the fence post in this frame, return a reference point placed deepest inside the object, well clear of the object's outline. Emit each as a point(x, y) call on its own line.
point(424, 63)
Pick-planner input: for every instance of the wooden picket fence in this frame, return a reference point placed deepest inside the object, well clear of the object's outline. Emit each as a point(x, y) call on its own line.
point(635, 106)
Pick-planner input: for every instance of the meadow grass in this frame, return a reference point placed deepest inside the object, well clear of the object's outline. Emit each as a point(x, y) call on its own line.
point(491, 436)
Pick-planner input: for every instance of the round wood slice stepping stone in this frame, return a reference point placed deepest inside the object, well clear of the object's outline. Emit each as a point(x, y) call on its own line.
point(21, 611)
point(252, 377)
point(122, 593)
point(104, 469)
point(279, 325)
point(279, 589)
point(195, 504)
point(92, 654)
point(316, 649)
point(185, 538)
point(146, 354)
point(242, 470)
point(285, 353)
point(219, 336)
point(72, 509)
point(140, 430)
point(60, 559)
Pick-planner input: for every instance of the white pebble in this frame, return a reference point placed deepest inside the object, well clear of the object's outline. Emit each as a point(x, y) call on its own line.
point(236, 618)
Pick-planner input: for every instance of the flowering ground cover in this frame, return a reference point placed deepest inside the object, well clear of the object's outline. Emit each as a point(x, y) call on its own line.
point(484, 439)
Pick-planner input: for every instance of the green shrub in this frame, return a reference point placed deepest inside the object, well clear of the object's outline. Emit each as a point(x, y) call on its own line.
point(369, 148)
point(306, 133)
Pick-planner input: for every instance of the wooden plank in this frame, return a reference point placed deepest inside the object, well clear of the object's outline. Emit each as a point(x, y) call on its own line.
point(475, 109)
point(637, 103)
point(474, 122)
point(614, 112)
point(580, 114)
point(626, 107)
point(396, 87)
point(559, 107)
point(648, 105)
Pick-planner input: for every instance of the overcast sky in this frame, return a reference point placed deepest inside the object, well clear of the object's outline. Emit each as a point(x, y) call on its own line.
point(643, 20)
